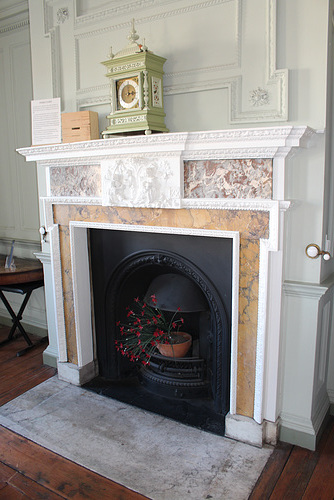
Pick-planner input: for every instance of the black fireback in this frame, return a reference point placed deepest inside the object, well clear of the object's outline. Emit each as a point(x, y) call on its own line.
point(123, 264)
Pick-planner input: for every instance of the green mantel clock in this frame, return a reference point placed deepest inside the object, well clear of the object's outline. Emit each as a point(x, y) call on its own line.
point(136, 90)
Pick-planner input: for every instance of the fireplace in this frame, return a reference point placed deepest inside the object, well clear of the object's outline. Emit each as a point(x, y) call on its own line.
point(126, 265)
point(226, 186)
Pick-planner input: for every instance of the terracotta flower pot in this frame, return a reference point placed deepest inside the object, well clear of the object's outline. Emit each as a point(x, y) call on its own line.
point(176, 349)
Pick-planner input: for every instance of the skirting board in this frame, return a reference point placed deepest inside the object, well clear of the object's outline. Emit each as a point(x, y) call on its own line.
point(302, 438)
point(50, 357)
point(298, 438)
point(40, 331)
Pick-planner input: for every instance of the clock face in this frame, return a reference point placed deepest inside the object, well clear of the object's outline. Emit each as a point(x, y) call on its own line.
point(128, 93)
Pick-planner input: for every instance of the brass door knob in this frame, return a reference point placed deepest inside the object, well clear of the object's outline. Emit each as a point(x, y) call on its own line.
point(313, 252)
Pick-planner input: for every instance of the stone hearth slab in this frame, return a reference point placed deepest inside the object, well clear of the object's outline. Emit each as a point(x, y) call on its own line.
point(150, 454)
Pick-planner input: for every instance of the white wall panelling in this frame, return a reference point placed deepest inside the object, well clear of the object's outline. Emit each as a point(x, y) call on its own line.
point(13, 15)
point(305, 356)
point(221, 67)
point(18, 181)
point(328, 224)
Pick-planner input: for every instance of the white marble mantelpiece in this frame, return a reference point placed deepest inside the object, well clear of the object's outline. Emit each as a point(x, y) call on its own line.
point(154, 164)
point(91, 185)
point(261, 142)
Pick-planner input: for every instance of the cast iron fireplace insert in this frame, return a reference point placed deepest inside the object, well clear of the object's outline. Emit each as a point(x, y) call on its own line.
point(124, 264)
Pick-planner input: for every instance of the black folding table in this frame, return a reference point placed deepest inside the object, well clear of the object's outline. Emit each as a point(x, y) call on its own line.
point(26, 277)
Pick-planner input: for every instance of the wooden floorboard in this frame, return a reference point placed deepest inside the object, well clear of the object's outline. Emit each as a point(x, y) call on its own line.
point(294, 473)
point(16, 483)
point(56, 474)
point(29, 471)
point(272, 471)
point(321, 484)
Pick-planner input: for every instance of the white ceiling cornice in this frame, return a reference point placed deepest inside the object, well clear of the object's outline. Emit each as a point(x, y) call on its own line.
point(13, 15)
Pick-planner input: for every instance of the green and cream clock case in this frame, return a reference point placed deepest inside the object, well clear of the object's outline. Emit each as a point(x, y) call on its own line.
point(136, 90)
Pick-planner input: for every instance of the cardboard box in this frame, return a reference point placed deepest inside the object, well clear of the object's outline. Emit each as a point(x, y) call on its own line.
point(80, 126)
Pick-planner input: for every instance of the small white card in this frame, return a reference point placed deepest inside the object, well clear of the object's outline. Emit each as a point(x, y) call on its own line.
point(45, 121)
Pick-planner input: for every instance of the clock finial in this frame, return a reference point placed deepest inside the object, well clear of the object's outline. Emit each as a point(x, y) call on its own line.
point(133, 37)
point(110, 55)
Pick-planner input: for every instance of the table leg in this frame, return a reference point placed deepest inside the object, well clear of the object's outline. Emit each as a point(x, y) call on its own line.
point(16, 318)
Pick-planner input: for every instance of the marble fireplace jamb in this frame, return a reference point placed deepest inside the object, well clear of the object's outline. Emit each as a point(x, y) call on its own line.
point(103, 210)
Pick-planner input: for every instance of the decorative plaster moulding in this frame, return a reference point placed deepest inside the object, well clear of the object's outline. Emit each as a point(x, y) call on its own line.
point(141, 182)
point(309, 290)
point(267, 102)
point(147, 171)
point(14, 17)
point(95, 15)
point(261, 142)
point(120, 7)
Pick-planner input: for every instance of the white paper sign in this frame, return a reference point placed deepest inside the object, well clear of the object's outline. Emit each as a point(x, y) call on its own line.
point(45, 121)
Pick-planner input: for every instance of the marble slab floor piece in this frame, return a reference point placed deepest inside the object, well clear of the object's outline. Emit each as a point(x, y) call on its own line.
point(148, 453)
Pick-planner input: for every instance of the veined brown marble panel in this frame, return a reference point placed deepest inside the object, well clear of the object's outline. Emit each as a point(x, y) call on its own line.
point(252, 225)
point(250, 178)
point(247, 327)
point(76, 181)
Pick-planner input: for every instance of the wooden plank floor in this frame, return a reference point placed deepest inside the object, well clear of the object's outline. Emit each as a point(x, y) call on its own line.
point(293, 473)
point(29, 471)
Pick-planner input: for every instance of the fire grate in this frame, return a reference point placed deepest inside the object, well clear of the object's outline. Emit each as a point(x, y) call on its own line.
point(176, 377)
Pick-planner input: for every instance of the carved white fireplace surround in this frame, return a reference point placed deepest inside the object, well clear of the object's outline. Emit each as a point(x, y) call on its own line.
point(165, 154)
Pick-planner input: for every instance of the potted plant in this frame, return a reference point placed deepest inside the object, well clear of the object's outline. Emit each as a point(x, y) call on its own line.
point(147, 329)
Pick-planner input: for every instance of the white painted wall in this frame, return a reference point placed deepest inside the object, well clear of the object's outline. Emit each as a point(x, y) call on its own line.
point(302, 48)
point(19, 218)
point(18, 183)
point(219, 54)
point(328, 223)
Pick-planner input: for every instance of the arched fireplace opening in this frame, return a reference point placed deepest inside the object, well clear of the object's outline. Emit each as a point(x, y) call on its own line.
point(193, 389)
